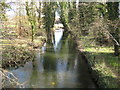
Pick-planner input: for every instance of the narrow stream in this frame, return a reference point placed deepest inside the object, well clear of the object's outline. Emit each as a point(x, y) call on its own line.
point(61, 67)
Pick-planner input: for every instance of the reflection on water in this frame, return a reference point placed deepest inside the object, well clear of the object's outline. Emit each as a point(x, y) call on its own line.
point(58, 36)
point(62, 68)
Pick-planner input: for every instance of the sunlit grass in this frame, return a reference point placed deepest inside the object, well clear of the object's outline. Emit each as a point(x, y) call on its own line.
point(11, 25)
point(99, 49)
point(105, 53)
point(103, 61)
point(106, 68)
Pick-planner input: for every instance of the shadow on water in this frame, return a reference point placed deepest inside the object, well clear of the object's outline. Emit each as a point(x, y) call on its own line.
point(61, 67)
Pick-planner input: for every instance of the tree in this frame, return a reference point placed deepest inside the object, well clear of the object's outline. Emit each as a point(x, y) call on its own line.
point(49, 18)
point(39, 10)
point(3, 7)
point(113, 15)
point(64, 7)
point(31, 13)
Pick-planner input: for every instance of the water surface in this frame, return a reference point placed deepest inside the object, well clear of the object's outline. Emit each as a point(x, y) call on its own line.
point(59, 67)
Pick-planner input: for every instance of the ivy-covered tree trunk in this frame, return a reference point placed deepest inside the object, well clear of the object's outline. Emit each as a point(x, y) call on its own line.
point(30, 11)
point(39, 10)
point(49, 18)
point(64, 14)
point(33, 26)
point(64, 18)
point(113, 14)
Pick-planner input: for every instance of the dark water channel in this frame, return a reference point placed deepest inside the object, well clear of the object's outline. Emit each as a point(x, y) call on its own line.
point(59, 67)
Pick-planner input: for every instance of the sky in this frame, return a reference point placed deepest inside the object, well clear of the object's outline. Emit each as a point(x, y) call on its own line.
point(66, 0)
point(15, 5)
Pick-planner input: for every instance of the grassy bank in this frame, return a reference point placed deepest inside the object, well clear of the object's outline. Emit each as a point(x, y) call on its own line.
point(16, 56)
point(102, 62)
point(17, 50)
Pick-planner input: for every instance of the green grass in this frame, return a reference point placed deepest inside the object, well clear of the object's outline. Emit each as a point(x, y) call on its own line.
point(106, 54)
point(105, 63)
point(99, 49)
point(11, 26)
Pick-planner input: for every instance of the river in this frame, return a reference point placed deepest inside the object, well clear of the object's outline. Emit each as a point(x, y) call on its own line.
point(59, 67)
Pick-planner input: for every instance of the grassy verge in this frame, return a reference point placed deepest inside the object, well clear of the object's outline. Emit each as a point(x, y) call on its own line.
point(16, 56)
point(16, 51)
point(103, 62)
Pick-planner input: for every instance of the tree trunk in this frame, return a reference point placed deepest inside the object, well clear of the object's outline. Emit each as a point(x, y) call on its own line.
point(113, 14)
point(116, 46)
